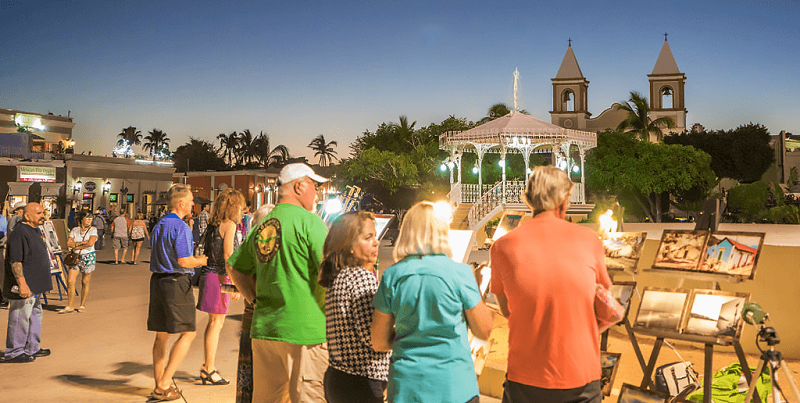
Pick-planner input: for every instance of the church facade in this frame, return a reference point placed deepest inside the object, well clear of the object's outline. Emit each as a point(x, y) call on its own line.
point(571, 96)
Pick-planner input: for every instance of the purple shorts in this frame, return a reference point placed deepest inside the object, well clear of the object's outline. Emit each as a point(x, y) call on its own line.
point(210, 299)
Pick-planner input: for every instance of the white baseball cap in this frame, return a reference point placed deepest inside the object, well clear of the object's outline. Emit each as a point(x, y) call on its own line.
point(296, 171)
point(19, 205)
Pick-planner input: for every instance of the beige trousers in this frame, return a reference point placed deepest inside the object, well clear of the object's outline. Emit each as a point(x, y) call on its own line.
point(288, 373)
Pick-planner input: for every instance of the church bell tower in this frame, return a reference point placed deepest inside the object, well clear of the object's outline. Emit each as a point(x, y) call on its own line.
point(570, 90)
point(666, 90)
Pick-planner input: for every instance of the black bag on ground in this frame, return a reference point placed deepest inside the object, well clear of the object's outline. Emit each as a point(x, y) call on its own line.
point(674, 377)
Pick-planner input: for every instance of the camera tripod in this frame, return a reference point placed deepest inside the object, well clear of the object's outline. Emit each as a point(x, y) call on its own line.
point(775, 360)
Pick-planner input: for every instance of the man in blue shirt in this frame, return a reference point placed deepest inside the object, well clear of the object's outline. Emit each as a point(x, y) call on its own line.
point(27, 276)
point(172, 301)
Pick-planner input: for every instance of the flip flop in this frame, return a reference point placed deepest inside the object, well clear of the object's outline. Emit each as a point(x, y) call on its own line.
point(81, 309)
point(66, 310)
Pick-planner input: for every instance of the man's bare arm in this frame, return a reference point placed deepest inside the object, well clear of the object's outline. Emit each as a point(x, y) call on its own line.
point(16, 268)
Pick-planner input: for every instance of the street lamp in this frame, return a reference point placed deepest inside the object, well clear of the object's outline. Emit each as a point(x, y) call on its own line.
point(106, 187)
point(77, 187)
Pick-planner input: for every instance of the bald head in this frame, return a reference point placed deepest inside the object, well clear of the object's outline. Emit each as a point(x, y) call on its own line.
point(34, 215)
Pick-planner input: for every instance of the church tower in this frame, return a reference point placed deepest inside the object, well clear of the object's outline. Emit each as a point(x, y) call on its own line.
point(570, 104)
point(666, 89)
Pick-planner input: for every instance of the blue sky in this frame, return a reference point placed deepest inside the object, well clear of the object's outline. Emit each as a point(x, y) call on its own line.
point(298, 69)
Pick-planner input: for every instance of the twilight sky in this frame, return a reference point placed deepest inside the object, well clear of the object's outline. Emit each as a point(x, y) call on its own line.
point(296, 69)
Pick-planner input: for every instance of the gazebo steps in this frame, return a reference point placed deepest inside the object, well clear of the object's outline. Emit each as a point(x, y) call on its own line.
point(460, 219)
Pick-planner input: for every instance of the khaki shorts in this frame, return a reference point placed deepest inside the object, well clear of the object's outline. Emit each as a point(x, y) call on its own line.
point(288, 373)
point(120, 243)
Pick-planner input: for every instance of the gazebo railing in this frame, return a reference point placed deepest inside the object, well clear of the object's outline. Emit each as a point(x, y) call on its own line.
point(470, 192)
point(455, 194)
point(514, 191)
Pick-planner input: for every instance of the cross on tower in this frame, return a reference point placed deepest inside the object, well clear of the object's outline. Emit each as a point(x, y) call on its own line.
point(665, 36)
point(570, 41)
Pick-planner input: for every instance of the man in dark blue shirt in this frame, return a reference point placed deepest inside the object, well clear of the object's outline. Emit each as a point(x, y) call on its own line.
point(27, 275)
point(172, 305)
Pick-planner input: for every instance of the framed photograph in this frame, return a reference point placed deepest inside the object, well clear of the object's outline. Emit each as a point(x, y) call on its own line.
point(382, 222)
point(661, 309)
point(609, 362)
point(50, 236)
point(509, 221)
point(716, 314)
point(623, 292)
point(681, 250)
point(732, 253)
point(623, 250)
point(634, 394)
point(483, 274)
point(460, 244)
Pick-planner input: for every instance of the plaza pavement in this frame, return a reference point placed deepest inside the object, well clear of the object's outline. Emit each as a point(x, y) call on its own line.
point(104, 353)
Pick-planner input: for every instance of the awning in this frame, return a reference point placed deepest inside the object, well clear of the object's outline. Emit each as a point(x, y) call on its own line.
point(51, 189)
point(18, 188)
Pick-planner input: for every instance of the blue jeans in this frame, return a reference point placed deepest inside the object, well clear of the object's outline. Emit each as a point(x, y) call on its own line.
point(24, 326)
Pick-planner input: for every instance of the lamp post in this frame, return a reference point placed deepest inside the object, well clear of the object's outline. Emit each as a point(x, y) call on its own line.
point(106, 187)
point(77, 187)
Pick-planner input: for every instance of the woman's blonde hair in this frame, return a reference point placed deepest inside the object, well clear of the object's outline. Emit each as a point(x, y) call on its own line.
point(547, 188)
point(227, 206)
point(337, 251)
point(423, 232)
point(177, 193)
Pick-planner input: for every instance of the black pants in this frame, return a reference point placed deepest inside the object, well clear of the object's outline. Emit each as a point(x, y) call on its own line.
point(341, 387)
point(518, 393)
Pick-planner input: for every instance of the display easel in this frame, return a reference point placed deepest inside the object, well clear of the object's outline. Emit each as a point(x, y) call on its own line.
point(56, 272)
point(708, 220)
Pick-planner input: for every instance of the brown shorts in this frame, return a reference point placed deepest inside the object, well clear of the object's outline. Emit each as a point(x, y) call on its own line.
point(171, 303)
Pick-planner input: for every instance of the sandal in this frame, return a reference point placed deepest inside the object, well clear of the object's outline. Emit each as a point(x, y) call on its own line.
point(172, 393)
point(66, 310)
point(81, 309)
point(209, 377)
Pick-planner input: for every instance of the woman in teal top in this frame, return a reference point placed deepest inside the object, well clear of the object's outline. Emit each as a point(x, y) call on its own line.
point(423, 306)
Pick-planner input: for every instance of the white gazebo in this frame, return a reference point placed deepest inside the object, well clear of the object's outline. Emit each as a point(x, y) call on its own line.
point(512, 133)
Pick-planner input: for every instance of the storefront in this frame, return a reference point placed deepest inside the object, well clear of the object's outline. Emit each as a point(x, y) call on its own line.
point(115, 184)
point(259, 187)
point(33, 181)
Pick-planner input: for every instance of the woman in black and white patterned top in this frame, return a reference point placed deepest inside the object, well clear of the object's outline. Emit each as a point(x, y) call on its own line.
point(356, 372)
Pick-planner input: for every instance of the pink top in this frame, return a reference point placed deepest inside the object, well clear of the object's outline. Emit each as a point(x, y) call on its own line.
point(548, 269)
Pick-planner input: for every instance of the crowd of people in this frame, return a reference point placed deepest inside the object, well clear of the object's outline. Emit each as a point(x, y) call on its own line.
point(321, 323)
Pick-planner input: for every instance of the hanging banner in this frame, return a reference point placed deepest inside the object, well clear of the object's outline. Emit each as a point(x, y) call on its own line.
point(37, 174)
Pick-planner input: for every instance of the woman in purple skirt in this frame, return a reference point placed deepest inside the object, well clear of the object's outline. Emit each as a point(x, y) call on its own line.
point(219, 242)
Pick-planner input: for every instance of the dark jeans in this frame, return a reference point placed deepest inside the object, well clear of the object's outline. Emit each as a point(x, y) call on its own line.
point(518, 393)
point(341, 387)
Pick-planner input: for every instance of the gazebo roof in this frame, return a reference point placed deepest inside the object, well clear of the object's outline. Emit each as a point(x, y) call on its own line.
point(519, 126)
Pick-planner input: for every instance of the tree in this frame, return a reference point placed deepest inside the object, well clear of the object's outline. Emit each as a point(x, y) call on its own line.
point(646, 172)
point(198, 155)
point(743, 154)
point(131, 135)
point(391, 170)
point(266, 156)
point(227, 145)
point(323, 149)
point(638, 120)
point(156, 142)
point(245, 147)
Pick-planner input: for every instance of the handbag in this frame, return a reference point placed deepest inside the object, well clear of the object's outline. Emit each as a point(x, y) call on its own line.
point(608, 311)
point(673, 378)
point(72, 258)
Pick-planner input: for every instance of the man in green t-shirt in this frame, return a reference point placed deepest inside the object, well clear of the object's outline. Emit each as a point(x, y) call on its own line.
point(284, 253)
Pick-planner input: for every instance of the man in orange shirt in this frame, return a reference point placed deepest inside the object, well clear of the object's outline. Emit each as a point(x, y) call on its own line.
point(544, 274)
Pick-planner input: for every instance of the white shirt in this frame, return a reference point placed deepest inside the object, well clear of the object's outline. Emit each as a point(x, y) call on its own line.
point(79, 235)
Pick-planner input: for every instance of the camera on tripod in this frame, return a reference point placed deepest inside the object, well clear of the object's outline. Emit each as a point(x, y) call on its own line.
point(755, 315)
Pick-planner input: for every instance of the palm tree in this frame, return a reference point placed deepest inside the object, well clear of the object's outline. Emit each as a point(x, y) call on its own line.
point(245, 147)
point(155, 142)
point(227, 145)
point(325, 150)
point(131, 135)
point(264, 155)
point(638, 119)
point(498, 110)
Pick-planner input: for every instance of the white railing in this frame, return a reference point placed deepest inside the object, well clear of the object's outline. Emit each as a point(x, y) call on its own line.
point(514, 191)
